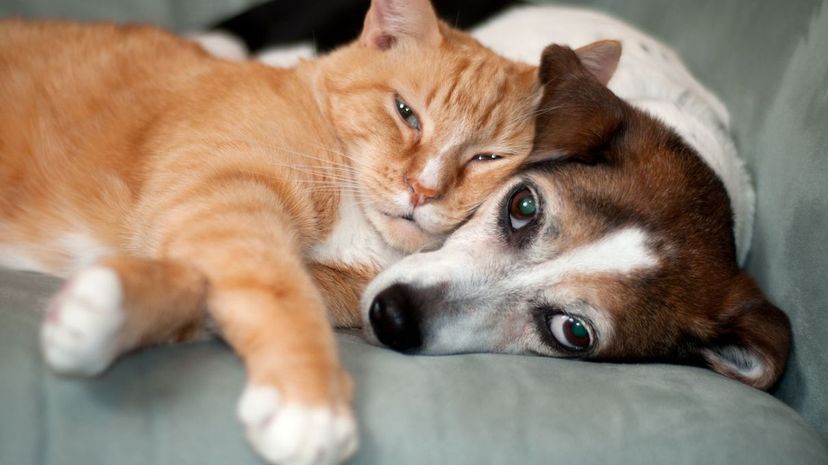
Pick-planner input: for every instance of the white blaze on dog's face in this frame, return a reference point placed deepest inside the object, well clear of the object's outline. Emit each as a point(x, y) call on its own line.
point(514, 280)
point(616, 244)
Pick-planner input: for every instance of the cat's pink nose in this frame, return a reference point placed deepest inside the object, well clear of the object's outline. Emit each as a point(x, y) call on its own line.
point(420, 193)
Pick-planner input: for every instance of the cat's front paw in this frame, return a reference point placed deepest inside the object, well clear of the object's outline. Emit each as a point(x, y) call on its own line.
point(79, 335)
point(287, 433)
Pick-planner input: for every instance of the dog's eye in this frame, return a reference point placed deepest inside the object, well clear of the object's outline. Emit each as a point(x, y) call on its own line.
point(570, 332)
point(522, 208)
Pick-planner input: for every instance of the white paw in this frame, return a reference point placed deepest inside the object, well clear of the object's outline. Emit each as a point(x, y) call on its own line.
point(79, 335)
point(292, 434)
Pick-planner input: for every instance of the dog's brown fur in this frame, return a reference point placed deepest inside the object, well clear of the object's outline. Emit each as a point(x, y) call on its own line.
point(619, 167)
point(628, 235)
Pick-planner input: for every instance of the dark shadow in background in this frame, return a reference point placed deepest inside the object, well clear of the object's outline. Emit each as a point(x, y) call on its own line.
point(330, 23)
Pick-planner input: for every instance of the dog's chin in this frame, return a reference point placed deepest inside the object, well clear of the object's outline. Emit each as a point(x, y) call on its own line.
point(402, 233)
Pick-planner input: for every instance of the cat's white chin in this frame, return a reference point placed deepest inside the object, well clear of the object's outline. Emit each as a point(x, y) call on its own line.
point(402, 233)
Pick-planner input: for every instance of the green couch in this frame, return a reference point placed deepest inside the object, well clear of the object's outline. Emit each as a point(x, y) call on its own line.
point(175, 405)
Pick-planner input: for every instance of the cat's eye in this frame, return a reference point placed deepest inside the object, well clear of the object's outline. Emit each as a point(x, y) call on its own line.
point(523, 207)
point(407, 114)
point(571, 332)
point(486, 157)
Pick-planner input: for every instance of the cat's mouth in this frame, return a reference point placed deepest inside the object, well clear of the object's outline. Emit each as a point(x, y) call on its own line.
point(402, 230)
point(406, 222)
point(409, 217)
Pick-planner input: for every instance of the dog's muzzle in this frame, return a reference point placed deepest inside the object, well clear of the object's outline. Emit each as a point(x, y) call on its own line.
point(395, 319)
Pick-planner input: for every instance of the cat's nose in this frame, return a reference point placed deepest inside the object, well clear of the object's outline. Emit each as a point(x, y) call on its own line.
point(394, 319)
point(421, 193)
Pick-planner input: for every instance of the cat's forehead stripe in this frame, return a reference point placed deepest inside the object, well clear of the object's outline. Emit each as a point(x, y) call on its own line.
point(468, 76)
point(489, 111)
point(454, 82)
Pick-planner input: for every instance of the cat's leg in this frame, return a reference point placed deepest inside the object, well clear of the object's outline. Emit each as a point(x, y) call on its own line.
point(296, 406)
point(342, 288)
point(117, 305)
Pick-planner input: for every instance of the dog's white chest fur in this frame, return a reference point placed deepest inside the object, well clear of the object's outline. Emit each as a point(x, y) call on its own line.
point(353, 241)
point(650, 76)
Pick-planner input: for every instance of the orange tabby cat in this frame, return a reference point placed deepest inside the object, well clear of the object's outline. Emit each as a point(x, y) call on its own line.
point(174, 185)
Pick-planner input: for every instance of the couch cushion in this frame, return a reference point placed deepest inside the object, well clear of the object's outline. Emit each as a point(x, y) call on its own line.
point(182, 15)
point(175, 405)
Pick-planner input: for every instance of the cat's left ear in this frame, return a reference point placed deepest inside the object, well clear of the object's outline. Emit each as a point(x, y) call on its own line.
point(389, 21)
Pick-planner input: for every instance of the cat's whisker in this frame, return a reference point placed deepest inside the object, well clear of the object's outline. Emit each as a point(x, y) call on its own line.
point(350, 158)
point(319, 168)
point(331, 187)
point(317, 171)
point(318, 176)
point(323, 175)
point(522, 118)
point(335, 185)
point(328, 163)
point(324, 160)
point(269, 148)
point(325, 166)
point(336, 152)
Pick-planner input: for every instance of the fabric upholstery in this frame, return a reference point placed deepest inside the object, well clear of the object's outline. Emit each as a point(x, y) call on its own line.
point(182, 15)
point(175, 405)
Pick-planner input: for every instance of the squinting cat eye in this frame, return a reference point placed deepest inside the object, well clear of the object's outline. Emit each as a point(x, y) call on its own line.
point(486, 157)
point(406, 113)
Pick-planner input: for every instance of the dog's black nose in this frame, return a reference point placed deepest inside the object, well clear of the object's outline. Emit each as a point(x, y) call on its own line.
point(394, 318)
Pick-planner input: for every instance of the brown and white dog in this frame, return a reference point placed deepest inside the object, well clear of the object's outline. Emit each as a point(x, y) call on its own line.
point(617, 244)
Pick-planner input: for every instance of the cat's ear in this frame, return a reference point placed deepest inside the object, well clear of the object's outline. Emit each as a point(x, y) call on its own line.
point(752, 338)
point(600, 58)
point(389, 21)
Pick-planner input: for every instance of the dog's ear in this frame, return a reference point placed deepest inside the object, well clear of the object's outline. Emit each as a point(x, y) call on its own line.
point(388, 21)
point(753, 337)
point(578, 117)
point(600, 59)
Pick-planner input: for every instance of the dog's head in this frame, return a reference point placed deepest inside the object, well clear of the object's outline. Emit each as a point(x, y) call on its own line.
point(615, 244)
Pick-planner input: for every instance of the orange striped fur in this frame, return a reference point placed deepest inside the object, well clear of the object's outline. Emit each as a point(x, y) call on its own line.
point(210, 186)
